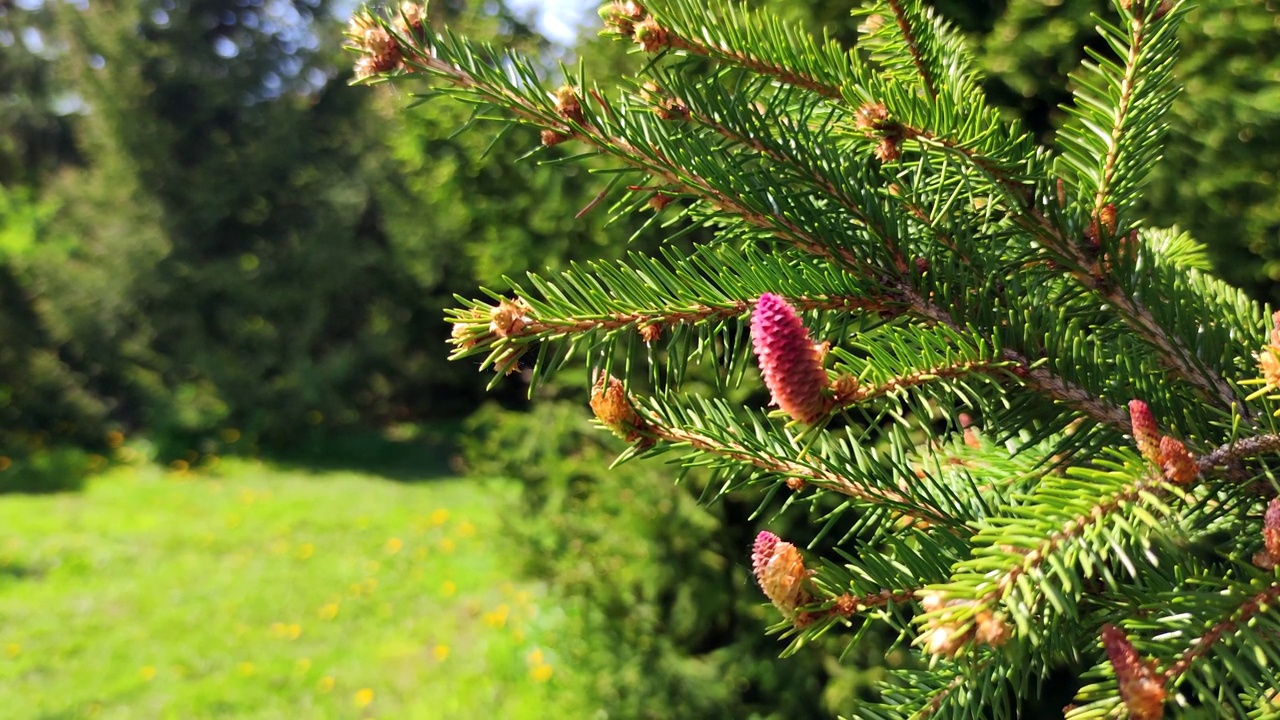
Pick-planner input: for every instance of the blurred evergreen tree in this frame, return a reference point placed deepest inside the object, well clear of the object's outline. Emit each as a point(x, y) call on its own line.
point(41, 389)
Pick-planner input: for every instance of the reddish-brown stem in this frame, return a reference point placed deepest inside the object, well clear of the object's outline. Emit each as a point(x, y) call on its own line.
point(847, 605)
point(1251, 606)
point(1233, 452)
point(656, 429)
point(921, 377)
point(908, 35)
point(783, 74)
point(1100, 198)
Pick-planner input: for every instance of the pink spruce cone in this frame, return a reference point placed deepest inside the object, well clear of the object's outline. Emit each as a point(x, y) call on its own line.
point(1141, 688)
point(779, 569)
point(1271, 530)
point(1146, 435)
point(789, 362)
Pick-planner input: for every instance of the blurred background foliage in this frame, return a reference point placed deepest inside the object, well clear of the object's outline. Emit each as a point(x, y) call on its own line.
point(209, 238)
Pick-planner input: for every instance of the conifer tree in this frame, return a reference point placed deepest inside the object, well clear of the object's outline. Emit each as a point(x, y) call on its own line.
point(1052, 428)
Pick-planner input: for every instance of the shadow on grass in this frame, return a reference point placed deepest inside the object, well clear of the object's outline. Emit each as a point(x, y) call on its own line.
point(15, 571)
point(418, 454)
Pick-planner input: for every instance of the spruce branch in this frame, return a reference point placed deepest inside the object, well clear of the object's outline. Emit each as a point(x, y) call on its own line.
point(746, 447)
point(861, 393)
point(1030, 564)
point(905, 26)
point(465, 68)
point(1230, 455)
point(1084, 265)
point(752, 40)
point(1260, 602)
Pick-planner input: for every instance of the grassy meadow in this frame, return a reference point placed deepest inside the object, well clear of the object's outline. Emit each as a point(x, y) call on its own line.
point(261, 591)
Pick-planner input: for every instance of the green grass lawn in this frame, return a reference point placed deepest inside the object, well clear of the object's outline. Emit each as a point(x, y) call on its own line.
point(262, 592)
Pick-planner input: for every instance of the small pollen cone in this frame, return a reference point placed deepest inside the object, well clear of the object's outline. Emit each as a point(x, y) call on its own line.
point(1146, 435)
point(379, 51)
point(613, 408)
point(567, 104)
point(1271, 531)
point(991, 630)
point(779, 569)
point(509, 317)
point(1178, 464)
point(1141, 688)
point(790, 365)
point(1269, 366)
point(871, 115)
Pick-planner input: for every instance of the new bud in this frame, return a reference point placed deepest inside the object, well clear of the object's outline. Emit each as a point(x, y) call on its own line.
point(780, 571)
point(1179, 466)
point(1146, 435)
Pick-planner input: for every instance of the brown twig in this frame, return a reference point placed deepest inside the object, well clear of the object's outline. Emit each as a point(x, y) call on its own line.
point(1255, 604)
point(655, 428)
point(908, 35)
point(1233, 452)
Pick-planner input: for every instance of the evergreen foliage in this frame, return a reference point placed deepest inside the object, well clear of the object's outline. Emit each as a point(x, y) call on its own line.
point(1219, 159)
point(996, 313)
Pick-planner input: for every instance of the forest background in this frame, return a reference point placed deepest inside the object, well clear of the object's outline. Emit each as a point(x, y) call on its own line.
point(211, 245)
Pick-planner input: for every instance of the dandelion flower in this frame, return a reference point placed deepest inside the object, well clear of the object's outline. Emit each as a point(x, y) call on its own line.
point(363, 697)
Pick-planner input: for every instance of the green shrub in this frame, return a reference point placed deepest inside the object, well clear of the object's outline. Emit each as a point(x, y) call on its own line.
point(660, 604)
point(47, 470)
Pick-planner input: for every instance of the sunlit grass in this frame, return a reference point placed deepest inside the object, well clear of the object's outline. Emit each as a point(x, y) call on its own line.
point(266, 593)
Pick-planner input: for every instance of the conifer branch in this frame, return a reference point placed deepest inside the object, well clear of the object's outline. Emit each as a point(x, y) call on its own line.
point(1253, 605)
point(1051, 385)
point(751, 41)
point(1032, 543)
point(533, 327)
point(950, 260)
point(909, 36)
point(863, 393)
point(1037, 378)
point(1233, 453)
point(655, 428)
point(1121, 113)
point(1083, 266)
point(936, 700)
point(497, 90)
point(650, 160)
point(744, 60)
point(831, 189)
